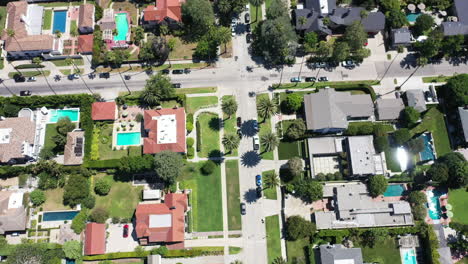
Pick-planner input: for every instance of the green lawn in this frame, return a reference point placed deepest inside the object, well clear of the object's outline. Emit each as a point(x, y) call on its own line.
point(438, 79)
point(253, 15)
point(195, 103)
point(391, 160)
point(273, 237)
point(433, 121)
point(385, 252)
point(209, 130)
point(289, 149)
point(121, 200)
point(62, 63)
point(205, 198)
point(233, 195)
point(3, 14)
point(73, 26)
point(265, 127)
point(51, 131)
point(270, 193)
point(182, 49)
point(47, 19)
point(68, 71)
point(54, 200)
point(303, 85)
point(197, 90)
point(459, 199)
point(105, 145)
point(29, 73)
point(298, 251)
point(230, 125)
point(267, 3)
point(59, 4)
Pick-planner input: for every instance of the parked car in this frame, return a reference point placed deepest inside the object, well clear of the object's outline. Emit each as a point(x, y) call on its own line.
point(252, 94)
point(165, 71)
point(73, 76)
point(176, 85)
point(91, 76)
point(239, 121)
point(32, 79)
point(125, 231)
point(247, 18)
point(179, 71)
point(296, 79)
point(248, 28)
point(259, 192)
point(258, 180)
point(105, 75)
point(239, 133)
point(255, 125)
point(398, 95)
point(187, 71)
point(428, 96)
point(289, 91)
point(127, 77)
point(310, 79)
point(348, 64)
point(248, 38)
point(323, 79)
point(57, 77)
point(19, 78)
point(233, 30)
point(243, 208)
point(25, 93)
point(320, 65)
point(256, 142)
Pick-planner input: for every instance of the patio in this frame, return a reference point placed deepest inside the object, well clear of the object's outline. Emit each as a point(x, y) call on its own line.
point(127, 122)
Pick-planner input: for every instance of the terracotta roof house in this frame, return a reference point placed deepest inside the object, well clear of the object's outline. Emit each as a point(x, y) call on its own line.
point(162, 222)
point(86, 19)
point(85, 44)
point(167, 12)
point(165, 129)
point(12, 213)
point(26, 21)
point(16, 139)
point(95, 239)
point(74, 148)
point(104, 111)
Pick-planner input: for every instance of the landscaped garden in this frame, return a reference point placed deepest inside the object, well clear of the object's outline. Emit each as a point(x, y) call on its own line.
point(106, 151)
point(458, 198)
point(233, 195)
point(208, 135)
point(273, 237)
point(54, 200)
point(195, 103)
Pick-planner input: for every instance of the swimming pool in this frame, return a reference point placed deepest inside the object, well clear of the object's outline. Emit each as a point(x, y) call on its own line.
point(412, 17)
point(122, 26)
point(59, 216)
point(394, 190)
point(69, 261)
point(408, 256)
point(127, 139)
point(56, 115)
point(60, 21)
point(428, 152)
point(433, 202)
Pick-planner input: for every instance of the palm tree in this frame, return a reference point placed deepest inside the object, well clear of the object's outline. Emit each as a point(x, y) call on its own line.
point(149, 97)
point(236, 262)
point(271, 180)
point(224, 36)
point(279, 260)
point(229, 106)
point(231, 142)
point(269, 141)
point(266, 108)
point(58, 34)
point(171, 45)
point(257, 4)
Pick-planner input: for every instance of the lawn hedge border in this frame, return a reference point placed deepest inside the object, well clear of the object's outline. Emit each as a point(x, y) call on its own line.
point(177, 253)
point(103, 164)
point(29, 66)
point(198, 131)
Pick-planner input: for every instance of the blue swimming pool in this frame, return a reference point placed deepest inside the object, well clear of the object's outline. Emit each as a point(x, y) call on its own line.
point(428, 152)
point(60, 21)
point(122, 26)
point(412, 17)
point(56, 115)
point(69, 261)
point(59, 216)
point(394, 190)
point(433, 202)
point(127, 139)
point(409, 256)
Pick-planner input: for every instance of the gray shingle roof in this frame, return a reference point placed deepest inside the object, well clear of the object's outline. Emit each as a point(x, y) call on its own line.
point(389, 109)
point(454, 28)
point(375, 21)
point(322, 6)
point(416, 99)
point(329, 254)
point(461, 8)
point(464, 121)
point(401, 36)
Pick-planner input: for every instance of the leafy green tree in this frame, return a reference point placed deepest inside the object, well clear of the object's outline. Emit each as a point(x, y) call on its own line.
point(73, 249)
point(411, 116)
point(64, 125)
point(458, 169)
point(224, 36)
point(402, 136)
point(396, 18)
point(417, 197)
point(309, 190)
point(269, 141)
point(310, 41)
point(388, 5)
point(295, 166)
point(50, 174)
point(89, 202)
point(419, 212)
point(341, 51)
point(206, 49)
point(228, 7)
point(157, 88)
point(37, 197)
point(99, 215)
point(453, 46)
point(229, 106)
point(156, 49)
point(360, 54)
point(279, 260)
point(138, 34)
point(266, 108)
point(257, 4)
point(168, 166)
point(439, 4)
point(198, 17)
point(457, 90)
point(292, 103)
point(115, 58)
point(79, 222)
point(374, 236)
point(381, 143)
point(296, 130)
point(276, 9)
point(102, 187)
point(324, 51)
point(297, 228)
point(423, 23)
point(29, 253)
point(271, 180)
point(76, 190)
point(355, 36)
point(136, 164)
point(377, 185)
point(415, 145)
point(46, 153)
point(230, 142)
point(208, 167)
point(438, 172)
point(431, 46)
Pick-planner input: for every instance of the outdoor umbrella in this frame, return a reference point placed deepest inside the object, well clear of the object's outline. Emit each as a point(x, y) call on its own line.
point(449, 214)
point(411, 7)
point(448, 206)
point(421, 6)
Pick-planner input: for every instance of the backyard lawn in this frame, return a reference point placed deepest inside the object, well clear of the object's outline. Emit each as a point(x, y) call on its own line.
point(205, 198)
point(265, 127)
point(54, 200)
point(182, 50)
point(209, 134)
point(458, 198)
point(391, 159)
point(270, 193)
point(47, 19)
point(121, 200)
point(298, 251)
point(195, 103)
point(51, 131)
point(230, 125)
point(233, 195)
point(289, 149)
point(273, 237)
point(382, 252)
point(433, 121)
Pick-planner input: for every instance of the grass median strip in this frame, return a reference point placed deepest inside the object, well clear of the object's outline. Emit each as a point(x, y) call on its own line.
point(233, 195)
point(63, 63)
point(29, 73)
point(270, 193)
point(230, 126)
point(273, 237)
point(197, 90)
point(193, 104)
point(265, 127)
point(209, 124)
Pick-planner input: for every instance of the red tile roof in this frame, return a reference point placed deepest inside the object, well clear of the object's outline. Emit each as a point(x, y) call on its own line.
point(163, 9)
point(95, 239)
point(85, 43)
point(174, 233)
point(86, 16)
point(104, 111)
point(150, 143)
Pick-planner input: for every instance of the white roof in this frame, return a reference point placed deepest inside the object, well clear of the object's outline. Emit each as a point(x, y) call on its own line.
point(15, 201)
point(34, 19)
point(344, 261)
point(5, 135)
point(151, 194)
point(167, 129)
point(162, 220)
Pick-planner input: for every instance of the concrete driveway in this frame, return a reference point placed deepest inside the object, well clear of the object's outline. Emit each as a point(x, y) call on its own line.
point(115, 242)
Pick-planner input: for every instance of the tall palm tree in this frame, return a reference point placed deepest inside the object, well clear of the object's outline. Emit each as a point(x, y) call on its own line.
point(257, 4)
point(149, 97)
point(229, 106)
point(269, 141)
point(231, 142)
point(224, 36)
point(279, 260)
point(266, 108)
point(271, 180)
point(171, 45)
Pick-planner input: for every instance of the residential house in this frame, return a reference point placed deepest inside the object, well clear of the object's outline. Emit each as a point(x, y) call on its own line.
point(415, 98)
point(74, 148)
point(164, 12)
point(165, 130)
point(86, 19)
point(162, 223)
point(102, 111)
point(25, 20)
point(85, 44)
point(362, 156)
point(13, 216)
point(17, 136)
point(401, 37)
point(460, 26)
point(463, 113)
point(338, 254)
point(352, 207)
point(329, 111)
point(107, 25)
point(95, 239)
point(389, 109)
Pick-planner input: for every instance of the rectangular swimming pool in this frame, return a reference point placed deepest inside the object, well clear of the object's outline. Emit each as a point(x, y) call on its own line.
point(408, 256)
point(60, 21)
point(59, 216)
point(122, 27)
point(56, 115)
point(428, 152)
point(394, 190)
point(127, 139)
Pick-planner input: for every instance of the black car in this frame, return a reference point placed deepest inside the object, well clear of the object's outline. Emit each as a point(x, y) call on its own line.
point(323, 79)
point(127, 77)
point(165, 71)
point(248, 38)
point(248, 28)
point(310, 79)
point(259, 192)
point(91, 76)
point(428, 96)
point(239, 133)
point(25, 93)
point(105, 75)
point(289, 91)
point(187, 71)
point(177, 71)
point(242, 208)
point(255, 125)
point(247, 18)
point(176, 85)
point(19, 78)
point(239, 121)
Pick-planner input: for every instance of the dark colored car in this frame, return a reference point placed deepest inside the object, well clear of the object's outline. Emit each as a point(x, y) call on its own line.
point(259, 192)
point(428, 96)
point(127, 77)
point(248, 28)
point(176, 85)
point(73, 76)
point(25, 93)
point(91, 76)
point(247, 18)
point(255, 125)
point(165, 71)
point(57, 78)
point(289, 91)
point(310, 79)
point(258, 180)
point(323, 79)
point(242, 208)
point(125, 231)
point(239, 121)
point(239, 133)
point(248, 38)
point(177, 71)
point(252, 94)
point(105, 75)
point(19, 78)
point(187, 71)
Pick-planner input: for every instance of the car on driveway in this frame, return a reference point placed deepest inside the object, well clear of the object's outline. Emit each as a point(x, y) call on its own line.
point(25, 93)
point(125, 231)
point(310, 79)
point(242, 208)
point(258, 180)
point(323, 79)
point(259, 192)
point(256, 142)
point(177, 71)
point(348, 64)
point(296, 79)
point(247, 18)
point(239, 121)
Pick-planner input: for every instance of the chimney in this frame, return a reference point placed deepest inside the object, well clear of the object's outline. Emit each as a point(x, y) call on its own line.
point(172, 207)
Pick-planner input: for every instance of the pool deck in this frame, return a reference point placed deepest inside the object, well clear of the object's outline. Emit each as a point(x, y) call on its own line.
point(443, 200)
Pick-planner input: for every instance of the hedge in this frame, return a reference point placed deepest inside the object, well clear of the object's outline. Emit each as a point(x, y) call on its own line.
point(198, 130)
point(103, 164)
point(431, 244)
point(177, 253)
point(29, 66)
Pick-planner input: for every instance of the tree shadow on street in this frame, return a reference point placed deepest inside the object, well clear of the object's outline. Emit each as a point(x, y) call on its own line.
point(250, 196)
point(250, 159)
point(247, 128)
point(216, 156)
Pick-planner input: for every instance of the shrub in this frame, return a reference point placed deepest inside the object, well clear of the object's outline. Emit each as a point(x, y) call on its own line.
point(189, 127)
point(190, 152)
point(296, 130)
point(381, 143)
point(46, 153)
point(199, 143)
point(76, 190)
point(190, 142)
point(297, 228)
point(37, 197)
point(99, 215)
point(102, 187)
point(410, 116)
point(72, 249)
point(402, 136)
point(115, 220)
point(139, 117)
point(309, 190)
point(29, 66)
point(208, 167)
point(377, 185)
point(292, 103)
point(79, 222)
point(89, 202)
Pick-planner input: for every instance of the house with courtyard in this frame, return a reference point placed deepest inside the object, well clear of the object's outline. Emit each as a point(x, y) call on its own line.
point(415, 98)
point(463, 114)
point(86, 19)
point(17, 139)
point(389, 109)
point(164, 130)
point(28, 41)
point(116, 28)
point(162, 223)
point(350, 206)
point(330, 111)
point(74, 148)
point(337, 254)
point(104, 111)
point(460, 25)
point(13, 215)
point(95, 239)
point(164, 12)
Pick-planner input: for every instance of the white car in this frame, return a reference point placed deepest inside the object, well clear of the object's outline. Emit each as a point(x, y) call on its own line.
point(256, 142)
point(233, 31)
